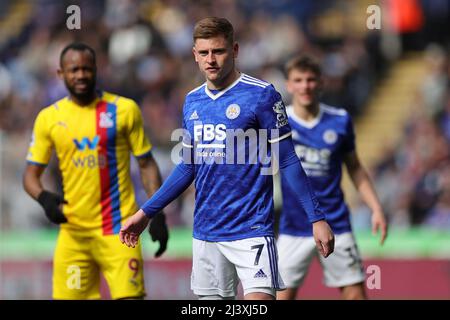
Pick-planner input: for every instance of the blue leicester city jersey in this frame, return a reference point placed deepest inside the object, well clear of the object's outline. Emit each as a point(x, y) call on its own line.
point(229, 135)
point(321, 146)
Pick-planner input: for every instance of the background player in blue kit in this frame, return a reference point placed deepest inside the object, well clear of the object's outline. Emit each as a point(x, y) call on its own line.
point(324, 139)
point(233, 219)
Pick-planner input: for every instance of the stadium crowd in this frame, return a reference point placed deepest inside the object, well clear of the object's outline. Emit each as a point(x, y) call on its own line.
point(144, 52)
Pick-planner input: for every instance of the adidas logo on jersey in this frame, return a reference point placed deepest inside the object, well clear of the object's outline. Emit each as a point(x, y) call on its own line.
point(260, 274)
point(194, 116)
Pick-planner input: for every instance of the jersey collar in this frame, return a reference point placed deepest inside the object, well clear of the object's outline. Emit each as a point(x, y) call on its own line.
point(222, 92)
point(307, 124)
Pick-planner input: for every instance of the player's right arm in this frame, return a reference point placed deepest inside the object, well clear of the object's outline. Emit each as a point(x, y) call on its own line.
point(32, 180)
point(38, 157)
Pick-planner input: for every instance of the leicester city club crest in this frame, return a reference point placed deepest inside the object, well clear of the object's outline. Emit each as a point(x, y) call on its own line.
point(330, 136)
point(233, 111)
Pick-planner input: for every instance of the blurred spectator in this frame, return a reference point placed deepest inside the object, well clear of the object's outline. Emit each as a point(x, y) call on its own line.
point(439, 215)
point(414, 179)
point(435, 85)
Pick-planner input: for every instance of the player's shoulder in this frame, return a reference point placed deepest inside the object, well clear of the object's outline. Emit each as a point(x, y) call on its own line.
point(118, 100)
point(262, 90)
point(197, 91)
point(125, 106)
point(338, 114)
point(194, 96)
point(52, 109)
point(255, 83)
point(333, 111)
point(338, 117)
point(255, 86)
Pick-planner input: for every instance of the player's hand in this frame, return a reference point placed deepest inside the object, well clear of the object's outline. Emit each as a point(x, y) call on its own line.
point(379, 223)
point(159, 232)
point(133, 227)
point(51, 203)
point(324, 237)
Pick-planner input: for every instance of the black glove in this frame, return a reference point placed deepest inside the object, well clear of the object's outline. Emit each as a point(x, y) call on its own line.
point(159, 232)
point(50, 202)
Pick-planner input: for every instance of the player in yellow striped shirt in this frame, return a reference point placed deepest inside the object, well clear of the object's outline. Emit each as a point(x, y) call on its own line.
point(92, 133)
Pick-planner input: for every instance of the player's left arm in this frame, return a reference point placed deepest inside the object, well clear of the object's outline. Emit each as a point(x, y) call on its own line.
point(364, 185)
point(271, 115)
point(291, 168)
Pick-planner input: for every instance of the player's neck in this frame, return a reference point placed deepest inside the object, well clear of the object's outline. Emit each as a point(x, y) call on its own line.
point(229, 79)
point(84, 101)
point(307, 113)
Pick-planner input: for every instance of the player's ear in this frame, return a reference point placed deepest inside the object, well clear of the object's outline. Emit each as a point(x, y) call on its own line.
point(194, 52)
point(235, 49)
point(60, 73)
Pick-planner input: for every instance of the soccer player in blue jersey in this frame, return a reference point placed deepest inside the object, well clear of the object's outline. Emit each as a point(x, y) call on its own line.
point(324, 139)
point(233, 218)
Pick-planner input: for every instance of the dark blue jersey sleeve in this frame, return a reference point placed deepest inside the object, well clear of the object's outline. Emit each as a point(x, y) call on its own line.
point(178, 181)
point(349, 142)
point(271, 115)
point(298, 182)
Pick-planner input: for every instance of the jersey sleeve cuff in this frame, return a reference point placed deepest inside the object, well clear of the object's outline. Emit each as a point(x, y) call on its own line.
point(317, 217)
point(143, 155)
point(149, 213)
point(37, 163)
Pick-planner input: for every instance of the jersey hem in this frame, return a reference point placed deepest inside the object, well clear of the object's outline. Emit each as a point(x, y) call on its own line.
point(231, 238)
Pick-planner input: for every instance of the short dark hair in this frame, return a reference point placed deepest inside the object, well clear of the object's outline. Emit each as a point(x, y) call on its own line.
point(212, 27)
point(77, 46)
point(303, 63)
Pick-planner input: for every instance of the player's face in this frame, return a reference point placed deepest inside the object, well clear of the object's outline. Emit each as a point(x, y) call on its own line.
point(215, 57)
point(304, 86)
point(79, 73)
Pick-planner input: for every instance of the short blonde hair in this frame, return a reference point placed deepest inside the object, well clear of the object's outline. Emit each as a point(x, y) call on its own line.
point(303, 63)
point(212, 27)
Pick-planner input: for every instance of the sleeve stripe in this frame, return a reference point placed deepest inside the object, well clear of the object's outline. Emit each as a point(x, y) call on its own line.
point(280, 138)
point(252, 79)
point(253, 83)
point(37, 163)
point(144, 154)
